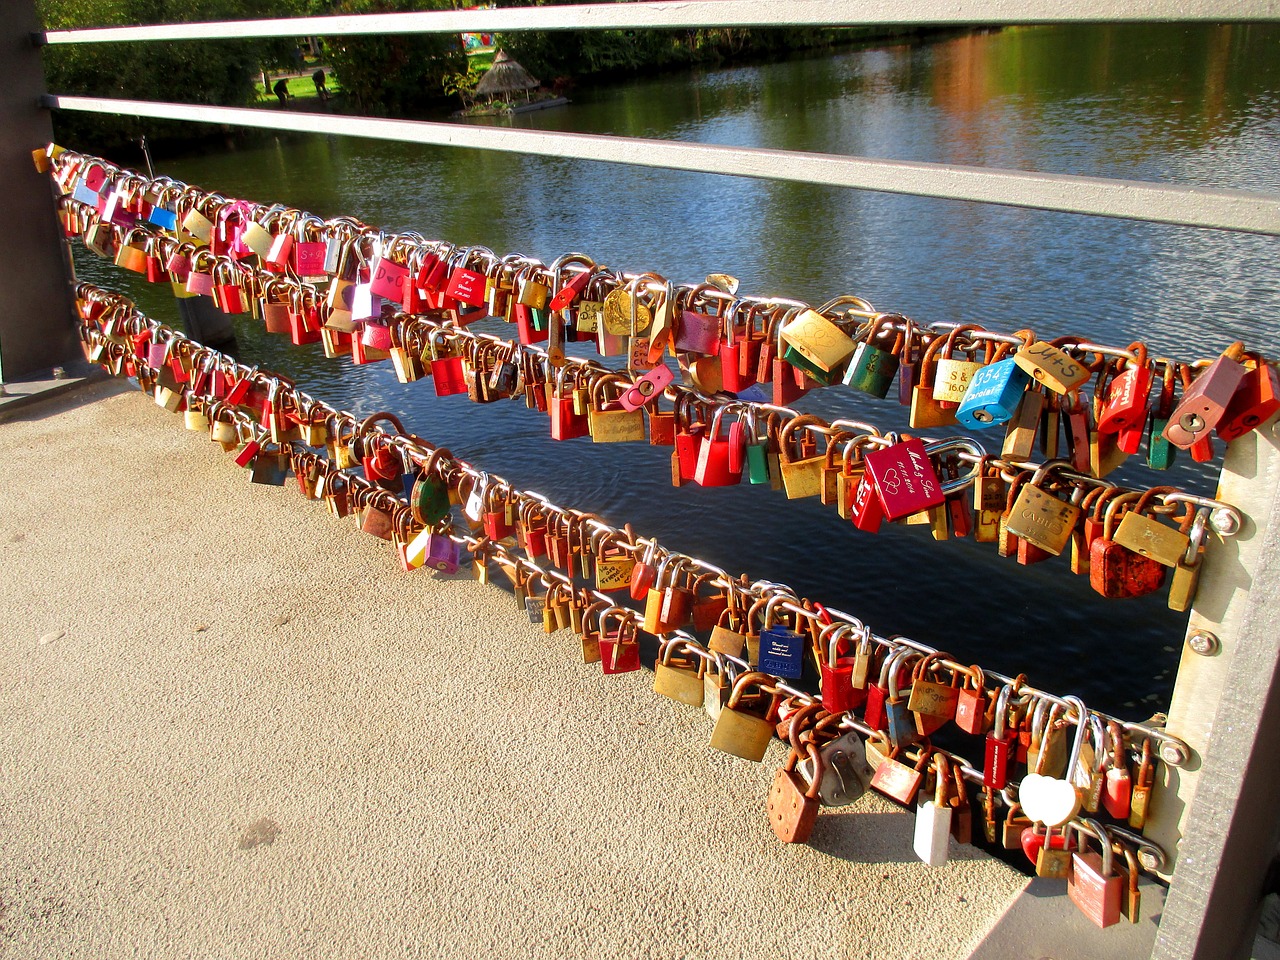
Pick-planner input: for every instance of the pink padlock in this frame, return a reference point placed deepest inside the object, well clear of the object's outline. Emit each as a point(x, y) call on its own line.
point(647, 388)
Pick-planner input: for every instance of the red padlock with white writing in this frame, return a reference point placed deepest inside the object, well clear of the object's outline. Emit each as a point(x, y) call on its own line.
point(904, 478)
point(1128, 396)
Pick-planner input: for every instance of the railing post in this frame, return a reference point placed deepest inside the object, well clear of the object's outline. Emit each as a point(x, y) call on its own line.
point(1220, 815)
point(37, 317)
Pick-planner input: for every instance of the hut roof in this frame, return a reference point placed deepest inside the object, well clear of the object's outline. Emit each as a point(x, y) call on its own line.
point(505, 76)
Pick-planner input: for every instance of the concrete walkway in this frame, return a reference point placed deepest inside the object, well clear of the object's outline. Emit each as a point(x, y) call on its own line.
point(231, 727)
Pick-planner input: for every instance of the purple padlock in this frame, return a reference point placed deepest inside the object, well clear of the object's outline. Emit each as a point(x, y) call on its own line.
point(442, 553)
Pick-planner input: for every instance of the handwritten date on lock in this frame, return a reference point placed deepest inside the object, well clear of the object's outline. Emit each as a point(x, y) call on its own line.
point(904, 478)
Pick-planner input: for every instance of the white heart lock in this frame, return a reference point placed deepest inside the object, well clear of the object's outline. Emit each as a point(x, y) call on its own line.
point(1048, 800)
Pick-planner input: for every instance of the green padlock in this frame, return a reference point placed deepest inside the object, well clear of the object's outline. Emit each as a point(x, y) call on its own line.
point(1160, 451)
point(872, 367)
point(797, 359)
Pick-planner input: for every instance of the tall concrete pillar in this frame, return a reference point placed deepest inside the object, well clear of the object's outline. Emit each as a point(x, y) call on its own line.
point(37, 312)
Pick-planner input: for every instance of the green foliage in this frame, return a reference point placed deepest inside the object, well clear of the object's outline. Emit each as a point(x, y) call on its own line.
point(392, 75)
point(194, 72)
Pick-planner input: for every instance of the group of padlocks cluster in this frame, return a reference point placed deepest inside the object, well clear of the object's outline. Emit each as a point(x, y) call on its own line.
point(724, 643)
point(375, 296)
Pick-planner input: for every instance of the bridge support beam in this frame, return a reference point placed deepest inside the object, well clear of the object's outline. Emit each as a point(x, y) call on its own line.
point(37, 312)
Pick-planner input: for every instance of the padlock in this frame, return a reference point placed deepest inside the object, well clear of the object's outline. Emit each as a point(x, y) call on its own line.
point(612, 560)
point(801, 475)
point(875, 713)
point(972, 703)
point(961, 809)
point(718, 455)
point(1016, 823)
point(619, 646)
point(952, 376)
point(1116, 782)
point(677, 673)
point(742, 731)
point(847, 775)
point(1254, 402)
point(836, 681)
point(1130, 875)
point(897, 781)
point(1048, 850)
point(1140, 802)
point(1115, 571)
point(1048, 365)
point(447, 373)
point(904, 479)
point(1093, 885)
point(1052, 800)
point(1205, 402)
point(932, 703)
point(1041, 518)
point(819, 341)
point(1145, 535)
point(609, 423)
point(792, 806)
point(899, 722)
point(1023, 427)
point(566, 422)
point(873, 367)
point(933, 818)
point(1001, 743)
point(781, 648)
point(1127, 399)
point(993, 395)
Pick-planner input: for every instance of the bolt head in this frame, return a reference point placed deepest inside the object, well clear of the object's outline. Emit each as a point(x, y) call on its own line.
point(1204, 643)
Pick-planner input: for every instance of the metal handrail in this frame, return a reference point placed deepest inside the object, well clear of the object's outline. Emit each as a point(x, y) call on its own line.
point(1236, 210)
point(695, 13)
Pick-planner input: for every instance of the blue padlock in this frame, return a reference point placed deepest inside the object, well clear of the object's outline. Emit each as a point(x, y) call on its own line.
point(993, 395)
point(781, 648)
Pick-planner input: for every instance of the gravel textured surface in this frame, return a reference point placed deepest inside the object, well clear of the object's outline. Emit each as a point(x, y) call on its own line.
point(231, 727)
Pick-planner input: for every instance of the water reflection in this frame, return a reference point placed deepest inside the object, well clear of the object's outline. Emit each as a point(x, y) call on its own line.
point(1194, 105)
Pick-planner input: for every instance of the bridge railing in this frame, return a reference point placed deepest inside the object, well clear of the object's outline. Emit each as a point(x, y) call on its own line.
point(1219, 812)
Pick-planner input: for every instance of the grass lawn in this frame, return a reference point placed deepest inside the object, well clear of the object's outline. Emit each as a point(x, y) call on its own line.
point(300, 87)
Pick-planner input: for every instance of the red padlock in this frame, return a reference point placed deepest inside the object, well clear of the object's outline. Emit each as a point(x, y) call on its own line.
point(904, 478)
point(1128, 397)
point(1256, 399)
point(838, 692)
point(715, 458)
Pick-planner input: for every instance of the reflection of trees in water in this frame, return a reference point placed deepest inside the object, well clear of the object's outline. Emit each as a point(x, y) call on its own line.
point(1147, 87)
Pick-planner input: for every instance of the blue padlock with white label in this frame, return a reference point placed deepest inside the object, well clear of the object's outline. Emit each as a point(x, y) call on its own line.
point(781, 648)
point(993, 395)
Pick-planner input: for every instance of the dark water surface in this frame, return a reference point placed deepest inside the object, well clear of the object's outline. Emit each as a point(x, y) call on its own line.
point(1182, 105)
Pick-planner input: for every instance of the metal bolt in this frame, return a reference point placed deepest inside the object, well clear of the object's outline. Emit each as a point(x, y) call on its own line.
point(1204, 643)
point(1173, 754)
point(1225, 522)
point(59, 373)
point(1148, 859)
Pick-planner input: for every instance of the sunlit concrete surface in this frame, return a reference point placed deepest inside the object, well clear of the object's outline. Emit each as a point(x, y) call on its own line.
point(231, 727)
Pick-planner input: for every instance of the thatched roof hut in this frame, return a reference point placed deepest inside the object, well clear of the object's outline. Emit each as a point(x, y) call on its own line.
point(505, 77)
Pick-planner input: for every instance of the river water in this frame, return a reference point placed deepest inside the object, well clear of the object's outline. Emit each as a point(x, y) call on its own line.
point(1197, 106)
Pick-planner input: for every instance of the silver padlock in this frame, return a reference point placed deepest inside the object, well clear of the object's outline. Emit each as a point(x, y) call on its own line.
point(847, 776)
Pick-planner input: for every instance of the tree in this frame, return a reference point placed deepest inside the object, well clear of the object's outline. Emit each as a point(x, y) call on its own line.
point(189, 72)
point(393, 74)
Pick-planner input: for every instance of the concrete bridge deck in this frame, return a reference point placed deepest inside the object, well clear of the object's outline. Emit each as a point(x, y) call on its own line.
point(231, 727)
